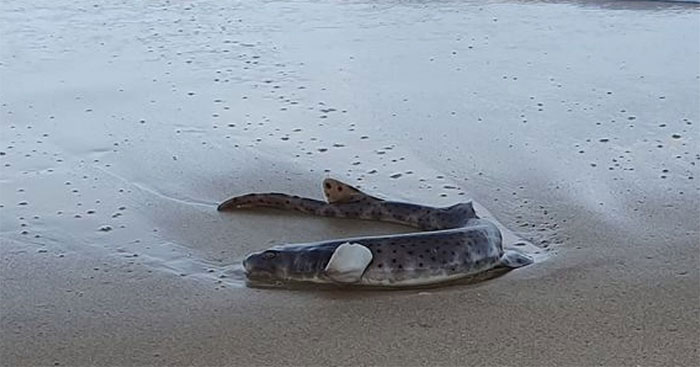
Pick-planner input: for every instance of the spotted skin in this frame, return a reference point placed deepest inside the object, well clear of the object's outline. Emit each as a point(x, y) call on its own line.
point(360, 206)
point(455, 243)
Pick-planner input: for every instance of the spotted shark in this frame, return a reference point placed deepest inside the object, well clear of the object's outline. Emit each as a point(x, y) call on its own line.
point(453, 243)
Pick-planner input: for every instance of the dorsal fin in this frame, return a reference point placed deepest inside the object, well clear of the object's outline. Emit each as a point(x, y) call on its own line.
point(339, 192)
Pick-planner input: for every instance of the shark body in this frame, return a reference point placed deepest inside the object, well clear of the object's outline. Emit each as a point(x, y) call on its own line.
point(454, 242)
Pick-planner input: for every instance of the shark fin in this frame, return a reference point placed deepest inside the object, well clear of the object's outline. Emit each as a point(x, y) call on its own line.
point(337, 192)
point(348, 263)
point(515, 259)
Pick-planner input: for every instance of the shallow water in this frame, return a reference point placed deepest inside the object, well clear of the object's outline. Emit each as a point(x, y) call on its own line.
point(124, 124)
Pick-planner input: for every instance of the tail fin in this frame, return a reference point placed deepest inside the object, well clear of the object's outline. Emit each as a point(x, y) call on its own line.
point(515, 259)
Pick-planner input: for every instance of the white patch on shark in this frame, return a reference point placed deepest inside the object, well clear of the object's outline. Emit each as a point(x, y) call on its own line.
point(348, 263)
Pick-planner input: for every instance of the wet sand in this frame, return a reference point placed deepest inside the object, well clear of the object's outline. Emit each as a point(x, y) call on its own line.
point(123, 125)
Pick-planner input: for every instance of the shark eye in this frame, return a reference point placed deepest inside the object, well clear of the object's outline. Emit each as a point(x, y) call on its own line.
point(269, 255)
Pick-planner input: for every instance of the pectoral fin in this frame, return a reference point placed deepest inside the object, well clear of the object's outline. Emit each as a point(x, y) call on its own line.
point(348, 263)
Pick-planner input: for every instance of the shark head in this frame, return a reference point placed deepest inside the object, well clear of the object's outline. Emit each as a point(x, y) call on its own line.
point(287, 263)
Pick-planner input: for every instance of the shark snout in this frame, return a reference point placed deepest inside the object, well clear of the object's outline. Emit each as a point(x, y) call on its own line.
point(246, 265)
point(258, 264)
point(251, 263)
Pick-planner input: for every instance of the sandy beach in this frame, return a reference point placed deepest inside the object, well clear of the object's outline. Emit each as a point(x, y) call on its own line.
point(124, 124)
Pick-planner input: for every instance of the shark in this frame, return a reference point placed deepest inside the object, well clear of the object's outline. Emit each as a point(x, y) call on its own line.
point(453, 242)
